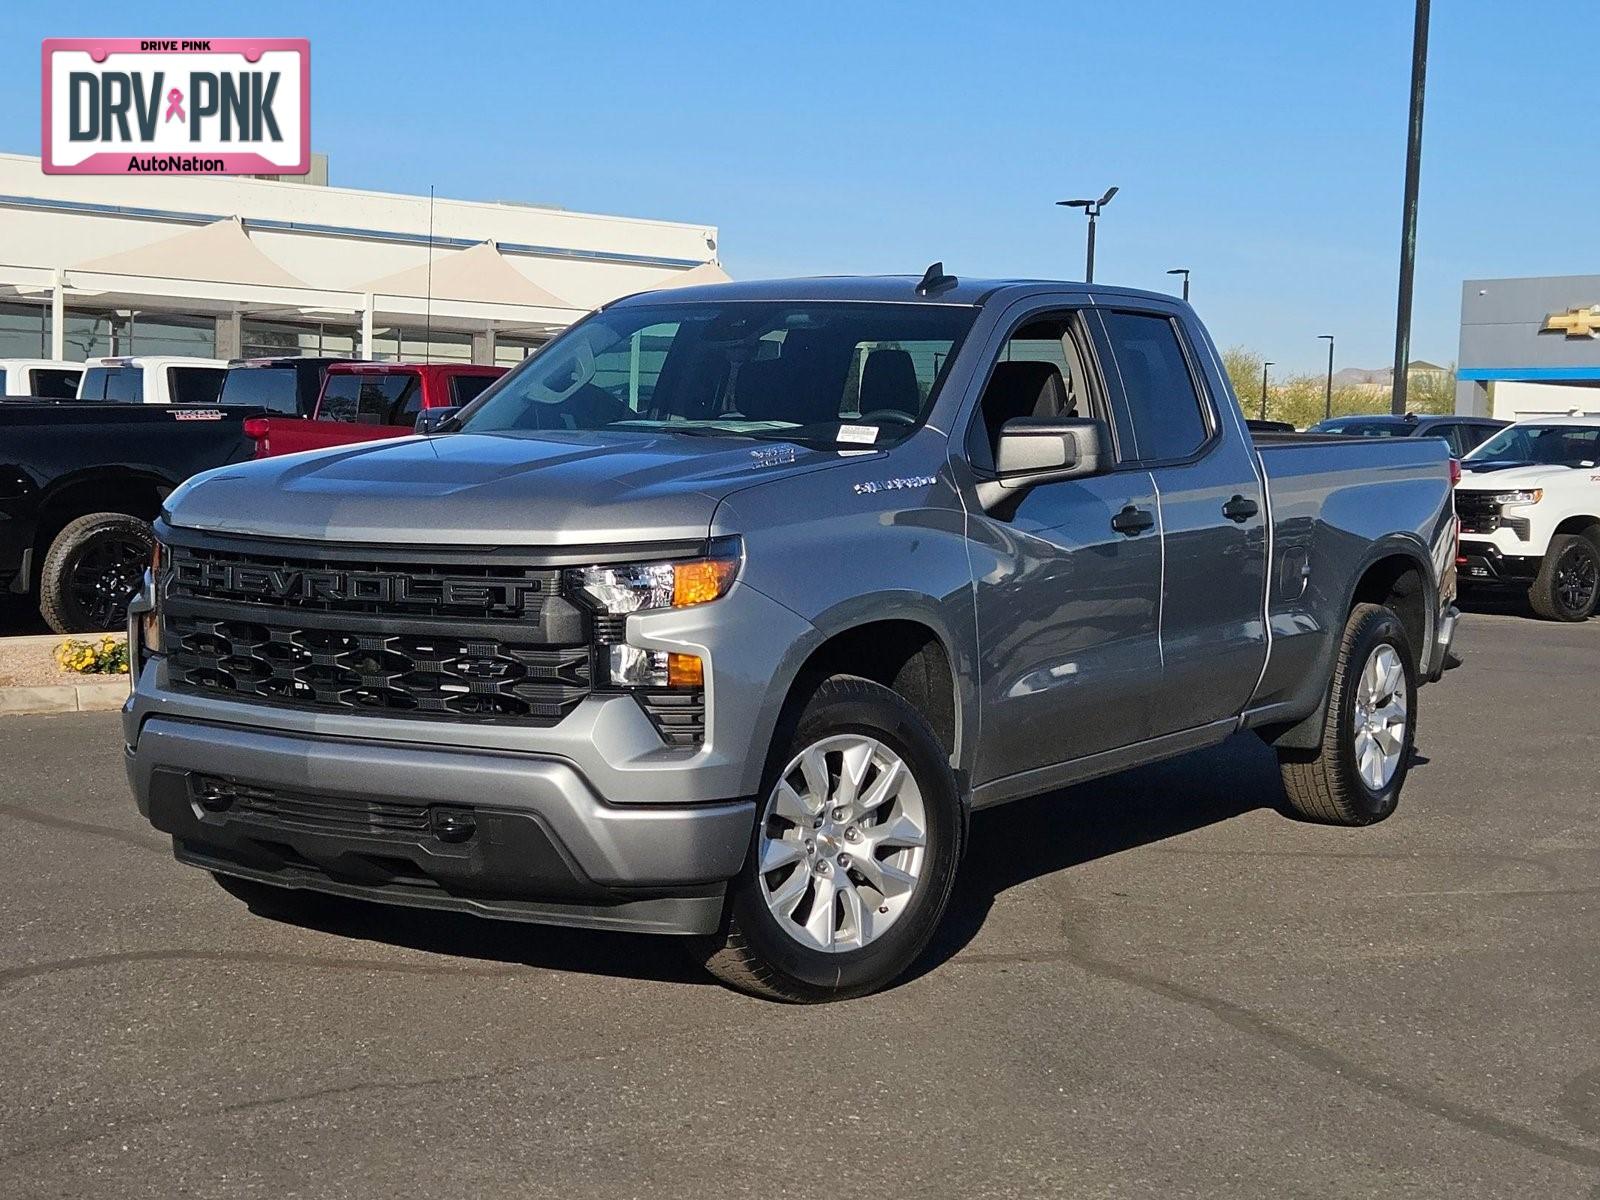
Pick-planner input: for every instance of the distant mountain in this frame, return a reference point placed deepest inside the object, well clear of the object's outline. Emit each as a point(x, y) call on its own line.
point(1384, 376)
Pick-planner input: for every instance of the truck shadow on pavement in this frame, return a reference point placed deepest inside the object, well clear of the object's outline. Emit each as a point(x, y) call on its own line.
point(1015, 843)
point(1009, 846)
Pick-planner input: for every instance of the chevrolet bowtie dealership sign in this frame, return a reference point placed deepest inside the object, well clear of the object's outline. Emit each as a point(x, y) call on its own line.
point(157, 106)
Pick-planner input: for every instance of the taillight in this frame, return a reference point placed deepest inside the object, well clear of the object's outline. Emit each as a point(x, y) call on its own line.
point(1455, 471)
point(258, 429)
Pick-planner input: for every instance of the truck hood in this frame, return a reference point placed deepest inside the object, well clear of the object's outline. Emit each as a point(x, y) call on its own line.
point(545, 489)
point(1502, 477)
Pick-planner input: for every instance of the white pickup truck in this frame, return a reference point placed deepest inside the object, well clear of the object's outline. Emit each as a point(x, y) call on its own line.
point(1529, 503)
point(43, 378)
point(152, 379)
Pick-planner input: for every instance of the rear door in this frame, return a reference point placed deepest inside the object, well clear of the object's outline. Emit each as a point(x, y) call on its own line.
point(1182, 428)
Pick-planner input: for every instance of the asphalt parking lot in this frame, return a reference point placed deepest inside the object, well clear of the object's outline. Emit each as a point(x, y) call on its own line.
point(1151, 986)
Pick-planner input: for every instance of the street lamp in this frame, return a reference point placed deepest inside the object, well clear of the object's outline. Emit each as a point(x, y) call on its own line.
point(1091, 209)
point(1264, 367)
point(1184, 271)
point(1327, 406)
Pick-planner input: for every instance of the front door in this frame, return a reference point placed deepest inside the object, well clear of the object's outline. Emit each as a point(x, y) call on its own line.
point(1068, 579)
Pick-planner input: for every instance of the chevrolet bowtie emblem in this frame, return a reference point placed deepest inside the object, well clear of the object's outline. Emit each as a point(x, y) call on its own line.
point(1575, 322)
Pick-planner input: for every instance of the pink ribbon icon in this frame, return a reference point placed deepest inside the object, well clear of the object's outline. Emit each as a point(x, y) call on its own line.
point(175, 106)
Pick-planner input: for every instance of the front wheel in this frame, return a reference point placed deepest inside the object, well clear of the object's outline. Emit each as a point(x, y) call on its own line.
point(1568, 584)
point(94, 568)
point(853, 855)
point(1355, 777)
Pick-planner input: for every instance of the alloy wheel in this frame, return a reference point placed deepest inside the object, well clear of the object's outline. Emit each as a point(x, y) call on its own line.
point(842, 843)
point(1578, 578)
point(106, 575)
point(1380, 717)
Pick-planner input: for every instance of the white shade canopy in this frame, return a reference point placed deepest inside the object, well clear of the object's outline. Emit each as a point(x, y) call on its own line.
point(479, 273)
point(705, 273)
point(220, 252)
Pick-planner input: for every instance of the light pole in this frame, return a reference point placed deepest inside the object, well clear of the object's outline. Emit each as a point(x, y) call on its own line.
point(1264, 367)
point(1408, 221)
point(1184, 271)
point(1091, 209)
point(1327, 406)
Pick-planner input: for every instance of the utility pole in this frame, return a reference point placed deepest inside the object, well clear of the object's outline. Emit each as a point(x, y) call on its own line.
point(1264, 367)
point(1091, 209)
point(1408, 227)
point(1327, 405)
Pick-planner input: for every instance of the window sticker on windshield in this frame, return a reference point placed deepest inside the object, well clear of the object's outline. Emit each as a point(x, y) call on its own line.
point(860, 435)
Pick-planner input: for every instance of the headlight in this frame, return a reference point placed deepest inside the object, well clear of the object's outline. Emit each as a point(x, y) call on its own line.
point(640, 586)
point(1532, 496)
point(617, 591)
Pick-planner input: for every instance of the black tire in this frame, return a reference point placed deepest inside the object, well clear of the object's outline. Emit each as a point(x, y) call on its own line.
point(751, 952)
point(1567, 587)
point(1326, 784)
point(269, 900)
point(94, 567)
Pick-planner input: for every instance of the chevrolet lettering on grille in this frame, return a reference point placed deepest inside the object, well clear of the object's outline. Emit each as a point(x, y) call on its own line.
point(245, 581)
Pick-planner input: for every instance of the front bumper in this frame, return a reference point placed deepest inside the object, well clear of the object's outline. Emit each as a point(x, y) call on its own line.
point(495, 834)
point(1482, 563)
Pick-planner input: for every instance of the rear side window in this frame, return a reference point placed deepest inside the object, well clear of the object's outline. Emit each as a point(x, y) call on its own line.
point(195, 385)
point(118, 385)
point(367, 399)
point(56, 383)
point(1162, 417)
point(275, 389)
point(464, 389)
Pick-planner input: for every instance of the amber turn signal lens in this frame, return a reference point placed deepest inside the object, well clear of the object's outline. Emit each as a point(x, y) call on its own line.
point(685, 671)
point(700, 581)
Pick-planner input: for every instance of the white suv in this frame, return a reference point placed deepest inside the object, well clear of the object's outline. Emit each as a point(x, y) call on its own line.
point(1529, 503)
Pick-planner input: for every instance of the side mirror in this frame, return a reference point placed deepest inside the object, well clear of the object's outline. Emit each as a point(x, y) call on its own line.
point(1035, 450)
point(429, 419)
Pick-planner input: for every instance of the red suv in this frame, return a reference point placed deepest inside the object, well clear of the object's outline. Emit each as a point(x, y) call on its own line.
point(366, 401)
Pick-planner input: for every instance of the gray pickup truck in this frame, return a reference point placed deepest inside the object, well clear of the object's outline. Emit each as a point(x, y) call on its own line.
point(719, 616)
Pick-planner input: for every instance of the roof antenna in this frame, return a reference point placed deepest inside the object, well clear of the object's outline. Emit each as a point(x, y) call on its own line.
point(935, 280)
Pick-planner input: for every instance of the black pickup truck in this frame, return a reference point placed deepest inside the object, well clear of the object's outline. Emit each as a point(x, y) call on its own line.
point(79, 485)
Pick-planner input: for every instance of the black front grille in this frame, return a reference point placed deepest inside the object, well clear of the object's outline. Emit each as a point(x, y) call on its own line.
point(436, 635)
point(305, 811)
point(1478, 512)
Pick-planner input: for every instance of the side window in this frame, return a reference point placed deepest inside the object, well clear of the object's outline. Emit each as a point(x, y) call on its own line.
point(384, 399)
point(1039, 372)
point(1477, 435)
point(1162, 417)
point(55, 384)
point(464, 389)
point(1455, 436)
point(195, 385)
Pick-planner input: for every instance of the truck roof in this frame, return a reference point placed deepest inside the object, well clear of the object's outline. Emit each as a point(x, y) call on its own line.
point(365, 367)
point(885, 288)
point(154, 360)
point(57, 364)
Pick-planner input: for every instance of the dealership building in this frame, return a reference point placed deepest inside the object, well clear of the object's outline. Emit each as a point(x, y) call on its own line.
point(1529, 347)
point(224, 266)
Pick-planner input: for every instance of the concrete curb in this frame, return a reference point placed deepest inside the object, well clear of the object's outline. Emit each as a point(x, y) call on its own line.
point(64, 698)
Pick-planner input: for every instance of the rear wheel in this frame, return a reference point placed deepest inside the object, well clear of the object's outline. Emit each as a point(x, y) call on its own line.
point(1568, 584)
point(1355, 777)
point(94, 568)
point(853, 854)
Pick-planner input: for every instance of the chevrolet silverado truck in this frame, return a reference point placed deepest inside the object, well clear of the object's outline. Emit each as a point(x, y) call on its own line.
point(720, 615)
point(1529, 503)
point(79, 486)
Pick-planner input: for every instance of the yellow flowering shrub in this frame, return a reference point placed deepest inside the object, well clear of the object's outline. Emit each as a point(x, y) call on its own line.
point(108, 656)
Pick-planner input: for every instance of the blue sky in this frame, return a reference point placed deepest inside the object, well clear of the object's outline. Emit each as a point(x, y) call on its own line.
point(1260, 144)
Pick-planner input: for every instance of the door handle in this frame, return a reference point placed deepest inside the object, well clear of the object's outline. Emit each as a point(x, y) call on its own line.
point(1132, 521)
point(1240, 509)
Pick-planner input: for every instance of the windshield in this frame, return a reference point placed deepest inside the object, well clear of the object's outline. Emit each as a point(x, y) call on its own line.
point(826, 374)
point(1541, 445)
point(272, 388)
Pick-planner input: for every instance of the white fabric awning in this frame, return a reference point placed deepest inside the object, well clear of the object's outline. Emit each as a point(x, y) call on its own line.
point(220, 252)
point(479, 275)
point(705, 273)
